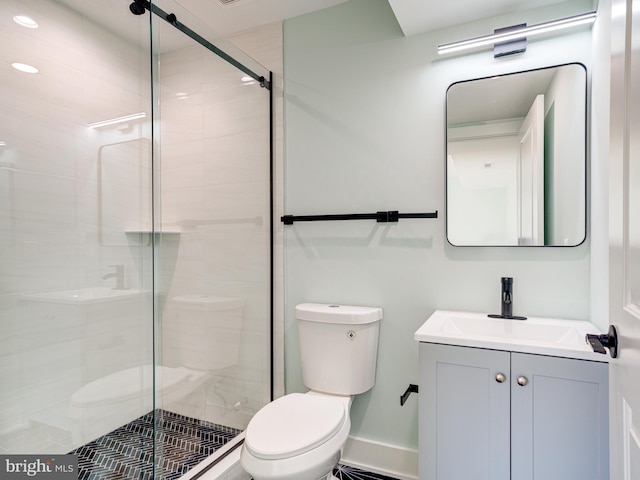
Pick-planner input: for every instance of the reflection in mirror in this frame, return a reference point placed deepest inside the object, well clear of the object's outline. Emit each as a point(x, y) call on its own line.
point(516, 159)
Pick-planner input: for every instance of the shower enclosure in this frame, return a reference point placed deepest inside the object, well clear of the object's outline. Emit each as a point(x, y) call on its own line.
point(135, 237)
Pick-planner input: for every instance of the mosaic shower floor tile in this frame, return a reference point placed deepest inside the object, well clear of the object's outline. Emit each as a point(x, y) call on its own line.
point(342, 472)
point(127, 453)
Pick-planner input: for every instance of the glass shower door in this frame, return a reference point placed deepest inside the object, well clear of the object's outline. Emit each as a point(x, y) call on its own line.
point(214, 250)
point(76, 309)
point(135, 238)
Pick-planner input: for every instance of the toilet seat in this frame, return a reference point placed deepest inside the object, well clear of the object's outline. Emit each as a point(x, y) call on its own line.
point(128, 384)
point(294, 424)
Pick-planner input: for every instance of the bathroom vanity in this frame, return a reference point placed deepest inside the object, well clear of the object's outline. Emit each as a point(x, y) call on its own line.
point(511, 399)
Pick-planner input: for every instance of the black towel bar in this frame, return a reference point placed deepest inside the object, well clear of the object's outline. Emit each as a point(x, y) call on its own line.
point(380, 217)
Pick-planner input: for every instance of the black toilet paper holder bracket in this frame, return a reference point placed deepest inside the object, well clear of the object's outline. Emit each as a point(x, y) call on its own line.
point(410, 389)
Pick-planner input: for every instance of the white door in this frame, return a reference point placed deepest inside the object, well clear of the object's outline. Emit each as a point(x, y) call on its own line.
point(624, 249)
point(531, 176)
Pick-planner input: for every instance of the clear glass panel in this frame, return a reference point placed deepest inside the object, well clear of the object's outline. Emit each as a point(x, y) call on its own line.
point(213, 260)
point(124, 253)
point(75, 289)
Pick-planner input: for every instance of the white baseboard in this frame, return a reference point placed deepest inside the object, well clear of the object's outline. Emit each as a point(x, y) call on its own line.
point(376, 457)
point(397, 462)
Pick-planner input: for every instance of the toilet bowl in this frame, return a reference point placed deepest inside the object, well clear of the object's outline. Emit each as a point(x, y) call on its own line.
point(109, 402)
point(302, 436)
point(204, 334)
point(297, 437)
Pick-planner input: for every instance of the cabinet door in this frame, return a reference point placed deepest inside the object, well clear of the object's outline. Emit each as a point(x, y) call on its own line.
point(559, 423)
point(464, 413)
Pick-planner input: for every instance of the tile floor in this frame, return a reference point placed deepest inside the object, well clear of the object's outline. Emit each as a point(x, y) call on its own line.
point(343, 472)
point(35, 439)
point(127, 452)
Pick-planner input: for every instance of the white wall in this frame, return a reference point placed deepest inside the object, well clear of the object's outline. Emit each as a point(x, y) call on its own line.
point(569, 153)
point(599, 172)
point(364, 131)
point(483, 201)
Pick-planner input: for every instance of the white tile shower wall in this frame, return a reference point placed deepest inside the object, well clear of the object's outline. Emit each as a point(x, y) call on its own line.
point(264, 43)
point(49, 225)
point(215, 187)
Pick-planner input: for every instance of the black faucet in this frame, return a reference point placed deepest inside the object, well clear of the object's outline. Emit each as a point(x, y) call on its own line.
point(507, 297)
point(507, 301)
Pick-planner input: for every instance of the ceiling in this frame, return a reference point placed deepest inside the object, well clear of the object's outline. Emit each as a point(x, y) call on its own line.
point(496, 98)
point(231, 16)
point(226, 17)
point(413, 16)
point(419, 16)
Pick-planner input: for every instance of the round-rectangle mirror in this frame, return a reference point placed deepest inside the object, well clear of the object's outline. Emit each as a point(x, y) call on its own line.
point(516, 159)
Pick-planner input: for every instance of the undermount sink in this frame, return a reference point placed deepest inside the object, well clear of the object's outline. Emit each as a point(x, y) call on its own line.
point(545, 336)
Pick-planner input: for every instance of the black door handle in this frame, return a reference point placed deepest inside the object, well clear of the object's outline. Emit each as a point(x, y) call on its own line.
point(608, 340)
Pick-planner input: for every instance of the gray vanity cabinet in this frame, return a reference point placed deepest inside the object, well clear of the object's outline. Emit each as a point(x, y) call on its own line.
point(499, 415)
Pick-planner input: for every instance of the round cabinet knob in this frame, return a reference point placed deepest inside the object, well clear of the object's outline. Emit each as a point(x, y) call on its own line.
point(500, 377)
point(522, 381)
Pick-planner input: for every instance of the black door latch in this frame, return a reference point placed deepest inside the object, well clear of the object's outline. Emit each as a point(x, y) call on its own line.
point(608, 340)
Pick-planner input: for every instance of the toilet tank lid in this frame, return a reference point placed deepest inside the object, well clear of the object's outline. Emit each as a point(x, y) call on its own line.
point(209, 302)
point(334, 313)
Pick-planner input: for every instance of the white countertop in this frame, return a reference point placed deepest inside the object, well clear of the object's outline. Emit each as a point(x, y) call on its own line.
point(84, 296)
point(543, 336)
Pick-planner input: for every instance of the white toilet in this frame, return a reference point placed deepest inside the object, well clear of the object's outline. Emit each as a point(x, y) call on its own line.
point(202, 333)
point(301, 436)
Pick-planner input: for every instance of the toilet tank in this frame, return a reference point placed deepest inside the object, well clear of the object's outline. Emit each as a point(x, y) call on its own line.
point(338, 347)
point(205, 330)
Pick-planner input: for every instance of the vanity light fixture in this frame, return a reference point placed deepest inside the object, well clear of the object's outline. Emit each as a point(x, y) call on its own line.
point(517, 33)
point(25, 21)
point(510, 47)
point(117, 120)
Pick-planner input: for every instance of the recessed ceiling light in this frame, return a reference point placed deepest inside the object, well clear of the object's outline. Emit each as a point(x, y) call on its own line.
point(23, 67)
point(3, 143)
point(25, 21)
